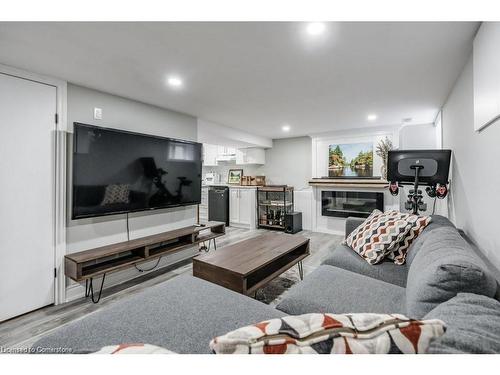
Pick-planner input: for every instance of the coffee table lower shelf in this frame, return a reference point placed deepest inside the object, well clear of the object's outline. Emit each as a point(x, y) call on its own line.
point(248, 283)
point(252, 289)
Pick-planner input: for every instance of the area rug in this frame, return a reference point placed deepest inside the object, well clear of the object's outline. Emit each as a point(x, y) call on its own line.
point(272, 293)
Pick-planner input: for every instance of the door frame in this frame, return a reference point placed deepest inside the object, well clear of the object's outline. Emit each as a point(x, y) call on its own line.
point(61, 127)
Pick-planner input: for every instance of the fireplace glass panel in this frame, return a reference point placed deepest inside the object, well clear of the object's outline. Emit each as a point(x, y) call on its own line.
point(350, 203)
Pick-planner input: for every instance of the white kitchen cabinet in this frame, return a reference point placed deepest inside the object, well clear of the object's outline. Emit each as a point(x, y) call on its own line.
point(247, 206)
point(226, 153)
point(234, 206)
point(242, 209)
point(210, 155)
point(255, 156)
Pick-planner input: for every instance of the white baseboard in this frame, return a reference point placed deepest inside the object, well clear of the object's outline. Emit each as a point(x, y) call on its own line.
point(241, 226)
point(74, 291)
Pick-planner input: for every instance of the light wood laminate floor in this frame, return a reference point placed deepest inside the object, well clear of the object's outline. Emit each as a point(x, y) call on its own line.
point(26, 329)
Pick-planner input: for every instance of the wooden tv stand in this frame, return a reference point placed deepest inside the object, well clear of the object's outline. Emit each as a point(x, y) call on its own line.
point(85, 265)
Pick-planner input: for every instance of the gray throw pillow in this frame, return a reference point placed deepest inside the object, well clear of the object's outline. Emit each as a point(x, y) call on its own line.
point(472, 325)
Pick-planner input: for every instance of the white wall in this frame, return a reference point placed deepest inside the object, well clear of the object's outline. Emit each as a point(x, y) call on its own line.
point(474, 195)
point(415, 137)
point(288, 162)
point(130, 115)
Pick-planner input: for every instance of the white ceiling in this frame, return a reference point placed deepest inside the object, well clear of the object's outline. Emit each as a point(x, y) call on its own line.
point(257, 76)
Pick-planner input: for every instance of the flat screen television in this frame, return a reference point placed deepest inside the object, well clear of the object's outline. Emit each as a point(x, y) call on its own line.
point(117, 171)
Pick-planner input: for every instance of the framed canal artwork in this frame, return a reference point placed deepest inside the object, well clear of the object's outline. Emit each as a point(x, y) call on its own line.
point(350, 160)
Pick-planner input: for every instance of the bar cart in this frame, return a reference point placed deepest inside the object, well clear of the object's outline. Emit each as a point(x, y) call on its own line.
point(273, 202)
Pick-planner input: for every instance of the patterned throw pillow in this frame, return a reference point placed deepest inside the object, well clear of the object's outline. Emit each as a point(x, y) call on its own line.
point(379, 234)
point(116, 194)
point(133, 349)
point(417, 225)
point(369, 220)
point(332, 334)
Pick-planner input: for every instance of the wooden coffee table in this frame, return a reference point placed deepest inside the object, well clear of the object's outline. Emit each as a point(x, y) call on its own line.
point(250, 264)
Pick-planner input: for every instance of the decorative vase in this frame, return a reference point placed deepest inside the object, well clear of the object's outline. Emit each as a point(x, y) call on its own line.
point(383, 148)
point(383, 170)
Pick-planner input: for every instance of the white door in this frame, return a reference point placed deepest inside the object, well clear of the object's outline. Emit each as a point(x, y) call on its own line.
point(27, 167)
point(234, 206)
point(246, 206)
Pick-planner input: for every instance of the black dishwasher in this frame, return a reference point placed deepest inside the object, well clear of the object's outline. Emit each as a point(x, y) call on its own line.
point(218, 204)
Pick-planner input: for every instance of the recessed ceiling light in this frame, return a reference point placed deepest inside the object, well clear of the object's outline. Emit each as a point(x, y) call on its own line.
point(285, 128)
point(315, 28)
point(174, 81)
point(371, 117)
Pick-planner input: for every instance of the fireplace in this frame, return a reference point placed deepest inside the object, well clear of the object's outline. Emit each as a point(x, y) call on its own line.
point(350, 203)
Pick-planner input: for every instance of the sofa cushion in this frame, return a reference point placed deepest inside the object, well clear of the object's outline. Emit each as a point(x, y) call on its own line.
point(351, 223)
point(361, 333)
point(335, 290)
point(343, 257)
point(473, 325)
point(437, 221)
point(444, 266)
point(182, 315)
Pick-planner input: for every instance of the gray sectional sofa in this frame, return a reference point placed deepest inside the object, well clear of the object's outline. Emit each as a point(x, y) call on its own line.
point(443, 278)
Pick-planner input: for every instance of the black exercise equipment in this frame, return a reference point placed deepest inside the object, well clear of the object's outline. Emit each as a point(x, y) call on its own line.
point(415, 167)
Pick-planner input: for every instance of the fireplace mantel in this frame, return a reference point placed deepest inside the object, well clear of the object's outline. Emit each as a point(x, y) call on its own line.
point(349, 183)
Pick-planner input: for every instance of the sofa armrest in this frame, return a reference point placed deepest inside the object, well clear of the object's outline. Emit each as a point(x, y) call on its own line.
point(352, 223)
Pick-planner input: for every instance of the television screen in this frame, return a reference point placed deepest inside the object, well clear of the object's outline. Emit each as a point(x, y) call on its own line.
point(117, 171)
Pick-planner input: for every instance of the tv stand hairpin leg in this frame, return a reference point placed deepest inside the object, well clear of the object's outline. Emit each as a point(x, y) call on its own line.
point(203, 247)
point(215, 245)
point(206, 248)
point(89, 289)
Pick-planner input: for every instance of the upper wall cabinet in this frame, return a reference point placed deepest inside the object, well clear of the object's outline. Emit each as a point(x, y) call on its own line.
point(213, 154)
point(255, 156)
point(487, 75)
point(226, 153)
point(209, 155)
